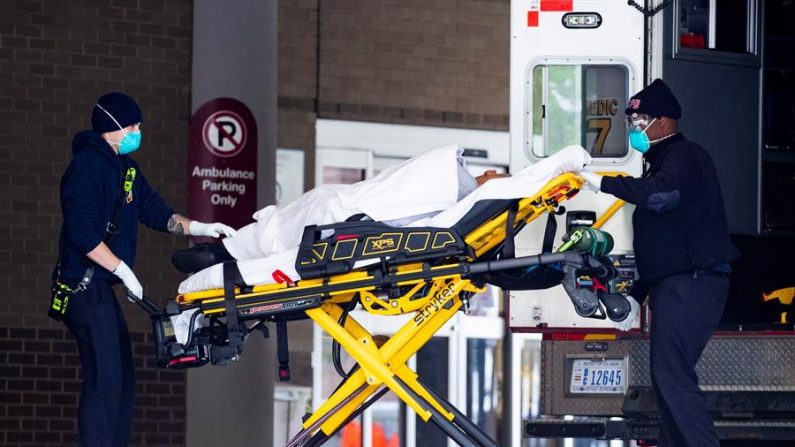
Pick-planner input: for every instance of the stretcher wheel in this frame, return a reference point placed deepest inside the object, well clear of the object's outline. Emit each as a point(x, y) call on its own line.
point(616, 306)
point(589, 310)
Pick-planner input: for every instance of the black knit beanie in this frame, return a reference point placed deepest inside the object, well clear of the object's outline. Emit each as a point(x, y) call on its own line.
point(655, 100)
point(119, 107)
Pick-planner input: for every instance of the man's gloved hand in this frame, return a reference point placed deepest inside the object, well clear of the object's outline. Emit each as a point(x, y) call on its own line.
point(130, 281)
point(215, 229)
point(593, 181)
point(632, 318)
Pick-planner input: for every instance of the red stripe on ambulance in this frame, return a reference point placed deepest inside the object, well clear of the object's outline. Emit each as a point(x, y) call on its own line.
point(532, 18)
point(557, 5)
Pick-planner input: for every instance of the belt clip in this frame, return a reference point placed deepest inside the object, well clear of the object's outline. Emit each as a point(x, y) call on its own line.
point(112, 229)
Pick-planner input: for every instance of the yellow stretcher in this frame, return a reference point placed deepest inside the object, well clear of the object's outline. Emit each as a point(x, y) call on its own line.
point(430, 272)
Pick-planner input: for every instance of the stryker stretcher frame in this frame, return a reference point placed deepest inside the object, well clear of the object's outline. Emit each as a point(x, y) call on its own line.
point(435, 288)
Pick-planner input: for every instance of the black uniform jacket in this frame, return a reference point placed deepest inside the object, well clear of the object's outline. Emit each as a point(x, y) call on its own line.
point(679, 221)
point(91, 187)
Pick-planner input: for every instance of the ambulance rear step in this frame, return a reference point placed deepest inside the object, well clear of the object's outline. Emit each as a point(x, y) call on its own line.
point(617, 428)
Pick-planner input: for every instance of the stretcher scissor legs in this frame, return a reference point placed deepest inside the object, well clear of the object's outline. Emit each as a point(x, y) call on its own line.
point(385, 368)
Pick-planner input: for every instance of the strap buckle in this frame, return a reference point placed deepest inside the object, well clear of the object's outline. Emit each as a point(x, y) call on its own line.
point(87, 276)
point(284, 373)
point(111, 230)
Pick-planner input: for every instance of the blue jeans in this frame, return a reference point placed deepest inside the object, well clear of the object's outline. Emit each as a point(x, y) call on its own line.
point(686, 309)
point(108, 390)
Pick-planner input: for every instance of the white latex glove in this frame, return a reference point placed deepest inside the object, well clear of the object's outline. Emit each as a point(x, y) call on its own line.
point(632, 318)
point(130, 281)
point(215, 229)
point(593, 181)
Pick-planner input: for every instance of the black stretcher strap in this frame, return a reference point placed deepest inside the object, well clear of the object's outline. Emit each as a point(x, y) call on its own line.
point(549, 233)
point(509, 249)
point(282, 350)
point(232, 277)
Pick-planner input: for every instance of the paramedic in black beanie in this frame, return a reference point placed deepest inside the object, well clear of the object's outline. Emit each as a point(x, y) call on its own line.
point(104, 195)
point(683, 249)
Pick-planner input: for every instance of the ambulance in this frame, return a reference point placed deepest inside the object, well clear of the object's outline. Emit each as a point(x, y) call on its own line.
point(574, 66)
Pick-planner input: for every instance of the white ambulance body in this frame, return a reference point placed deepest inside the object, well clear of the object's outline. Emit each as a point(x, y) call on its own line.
point(574, 65)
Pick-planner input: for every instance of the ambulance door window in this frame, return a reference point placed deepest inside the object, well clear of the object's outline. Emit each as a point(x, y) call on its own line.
point(604, 127)
point(556, 108)
point(722, 25)
point(579, 104)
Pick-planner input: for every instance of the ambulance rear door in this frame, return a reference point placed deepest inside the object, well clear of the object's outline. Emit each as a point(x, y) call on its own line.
point(574, 65)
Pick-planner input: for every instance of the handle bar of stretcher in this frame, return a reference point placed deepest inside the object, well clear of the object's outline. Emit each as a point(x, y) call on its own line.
point(527, 261)
point(148, 305)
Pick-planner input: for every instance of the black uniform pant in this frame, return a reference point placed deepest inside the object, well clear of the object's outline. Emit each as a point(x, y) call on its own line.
point(686, 309)
point(106, 397)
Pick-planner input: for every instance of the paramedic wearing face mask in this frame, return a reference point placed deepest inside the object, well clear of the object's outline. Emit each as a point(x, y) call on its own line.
point(683, 249)
point(104, 195)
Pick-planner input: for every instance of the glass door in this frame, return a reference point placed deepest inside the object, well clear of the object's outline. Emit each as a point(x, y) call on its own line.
point(342, 166)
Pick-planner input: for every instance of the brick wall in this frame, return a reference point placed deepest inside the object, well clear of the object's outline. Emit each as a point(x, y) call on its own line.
point(41, 384)
point(297, 79)
point(56, 58)
point(439, 63)
point(442, 63)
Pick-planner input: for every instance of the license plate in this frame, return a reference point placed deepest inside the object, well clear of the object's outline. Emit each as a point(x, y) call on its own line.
point(598, 376)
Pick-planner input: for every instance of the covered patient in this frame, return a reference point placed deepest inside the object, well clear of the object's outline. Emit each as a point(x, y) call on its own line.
point(432, 189)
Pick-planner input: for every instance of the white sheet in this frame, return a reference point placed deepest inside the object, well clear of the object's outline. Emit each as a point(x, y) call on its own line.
point(427, 183)
point(522, 184)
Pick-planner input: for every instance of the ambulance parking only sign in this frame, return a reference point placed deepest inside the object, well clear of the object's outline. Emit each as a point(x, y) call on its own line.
point(222, 163)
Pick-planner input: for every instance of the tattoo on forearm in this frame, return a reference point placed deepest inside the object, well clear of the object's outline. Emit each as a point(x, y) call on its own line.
point(176, 224)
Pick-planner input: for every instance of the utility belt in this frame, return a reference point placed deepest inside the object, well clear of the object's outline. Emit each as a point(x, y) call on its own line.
point(63, 292)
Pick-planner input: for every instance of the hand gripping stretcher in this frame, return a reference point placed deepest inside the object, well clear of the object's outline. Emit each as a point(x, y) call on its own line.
point(431, 272)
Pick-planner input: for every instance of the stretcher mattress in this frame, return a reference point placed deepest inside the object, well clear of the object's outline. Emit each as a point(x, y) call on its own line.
point(523, 183)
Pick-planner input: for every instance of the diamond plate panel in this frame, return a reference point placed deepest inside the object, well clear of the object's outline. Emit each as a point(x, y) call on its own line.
point(729, 363)
point(742, 363)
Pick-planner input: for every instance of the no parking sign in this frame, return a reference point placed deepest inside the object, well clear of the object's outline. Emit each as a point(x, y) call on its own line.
point(222, 163)
point(224, 133)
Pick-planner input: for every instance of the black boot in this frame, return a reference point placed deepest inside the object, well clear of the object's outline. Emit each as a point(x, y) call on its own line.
point(199, 257)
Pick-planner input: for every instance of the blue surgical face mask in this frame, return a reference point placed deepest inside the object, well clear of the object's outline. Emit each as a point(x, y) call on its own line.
point(638, 138)
point(130, 142)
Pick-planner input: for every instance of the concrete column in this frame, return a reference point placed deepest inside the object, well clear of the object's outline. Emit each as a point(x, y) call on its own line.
point(235, 55)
